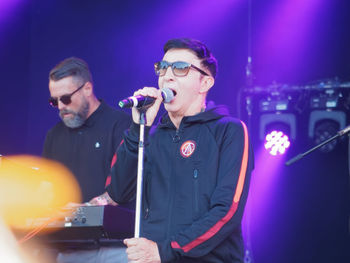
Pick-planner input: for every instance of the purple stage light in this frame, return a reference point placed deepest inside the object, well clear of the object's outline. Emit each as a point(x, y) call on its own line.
point(288, 34)
point(276, 142)
point(6, 8)
point(264, 190)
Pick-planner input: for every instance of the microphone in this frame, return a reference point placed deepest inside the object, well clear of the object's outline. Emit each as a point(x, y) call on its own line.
point(140, 101)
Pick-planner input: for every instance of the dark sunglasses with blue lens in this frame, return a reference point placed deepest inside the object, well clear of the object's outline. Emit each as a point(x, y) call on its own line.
point(179, 68)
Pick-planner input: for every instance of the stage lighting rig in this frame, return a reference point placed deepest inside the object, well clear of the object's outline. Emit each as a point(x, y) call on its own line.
point(328, 103)
point(273, 109)
point(312, 112)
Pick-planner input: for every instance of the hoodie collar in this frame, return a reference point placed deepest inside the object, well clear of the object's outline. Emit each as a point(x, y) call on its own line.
point(212, 112)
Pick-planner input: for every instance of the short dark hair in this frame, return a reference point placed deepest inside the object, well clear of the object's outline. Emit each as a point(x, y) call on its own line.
point(201, 51)
point(71, 67)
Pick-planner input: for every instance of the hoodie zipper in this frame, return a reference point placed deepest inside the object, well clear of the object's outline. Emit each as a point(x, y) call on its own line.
point(195, 190)
point(176, 139)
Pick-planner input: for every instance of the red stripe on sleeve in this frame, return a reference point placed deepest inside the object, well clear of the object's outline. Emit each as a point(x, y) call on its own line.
point(114, 159)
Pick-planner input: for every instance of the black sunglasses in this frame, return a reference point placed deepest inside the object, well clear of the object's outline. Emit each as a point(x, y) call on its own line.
point(65, 99)
point(179, 68)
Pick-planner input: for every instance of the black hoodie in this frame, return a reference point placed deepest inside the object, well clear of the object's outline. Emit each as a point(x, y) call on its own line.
point(195, 185)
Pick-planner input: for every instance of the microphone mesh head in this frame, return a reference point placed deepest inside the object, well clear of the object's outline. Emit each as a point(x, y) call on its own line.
point(167, 95)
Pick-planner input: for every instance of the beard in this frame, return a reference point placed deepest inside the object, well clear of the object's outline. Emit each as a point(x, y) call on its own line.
point(78, 118)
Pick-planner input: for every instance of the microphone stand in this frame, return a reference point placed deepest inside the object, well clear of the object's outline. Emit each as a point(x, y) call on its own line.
point(301, 155)
point(139, 174)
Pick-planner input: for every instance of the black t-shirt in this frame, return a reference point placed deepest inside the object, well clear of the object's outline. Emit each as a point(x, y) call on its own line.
point(88, 150)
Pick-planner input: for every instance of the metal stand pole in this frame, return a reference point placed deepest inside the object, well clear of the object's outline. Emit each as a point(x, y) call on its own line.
point(340, 133)
point(139, 176)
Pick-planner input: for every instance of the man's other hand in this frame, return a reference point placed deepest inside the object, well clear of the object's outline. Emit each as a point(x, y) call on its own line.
point(142, 250)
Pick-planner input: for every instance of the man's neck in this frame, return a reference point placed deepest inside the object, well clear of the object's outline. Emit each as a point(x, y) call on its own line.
point(94, 104)
point(197, 106)
point(177, 118)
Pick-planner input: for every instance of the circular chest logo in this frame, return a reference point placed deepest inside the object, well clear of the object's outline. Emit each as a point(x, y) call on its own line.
point(187, 148)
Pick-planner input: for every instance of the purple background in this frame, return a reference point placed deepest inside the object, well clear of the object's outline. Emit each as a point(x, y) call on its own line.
point(294, 214)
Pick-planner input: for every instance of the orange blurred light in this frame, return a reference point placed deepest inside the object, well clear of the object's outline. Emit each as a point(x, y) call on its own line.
point(33, 187)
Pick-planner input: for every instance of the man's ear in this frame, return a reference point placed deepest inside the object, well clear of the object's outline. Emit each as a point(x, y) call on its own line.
point(206, 83)
point(88, 88)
